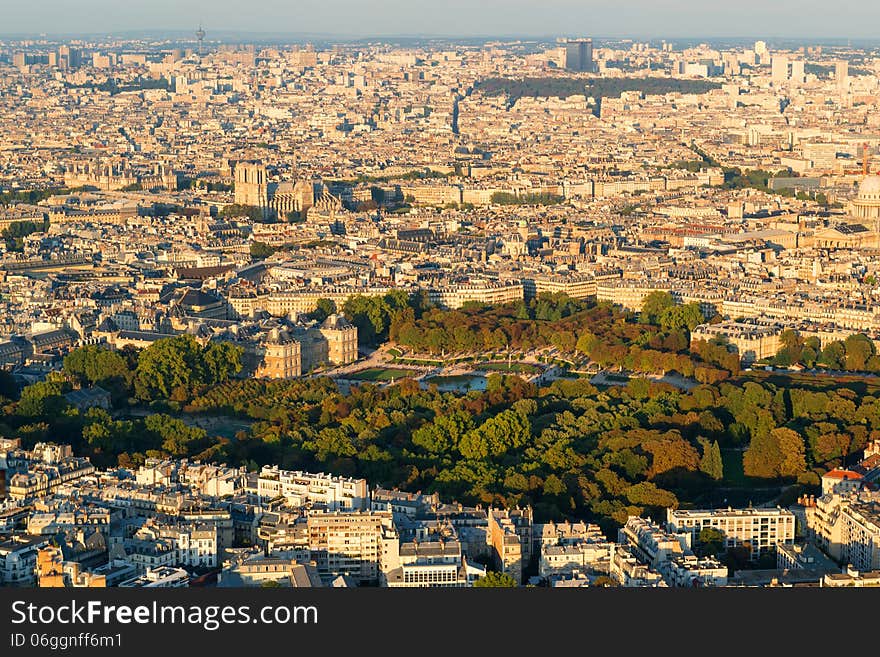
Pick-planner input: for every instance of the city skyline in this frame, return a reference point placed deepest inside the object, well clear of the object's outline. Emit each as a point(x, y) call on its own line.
point(568, 312)
point(345, 18)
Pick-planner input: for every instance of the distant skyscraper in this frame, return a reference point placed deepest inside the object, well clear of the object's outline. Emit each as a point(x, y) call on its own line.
point(841, 75)
point(69, 57)
point(579, 55)
point(761, 52)
point(779, 69)
point(798, 74)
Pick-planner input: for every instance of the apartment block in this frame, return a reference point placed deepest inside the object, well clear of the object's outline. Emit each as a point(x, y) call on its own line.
point(759, 529)
point(353, 543)
point(303, 488)
point(18, 559)
point(510, 540)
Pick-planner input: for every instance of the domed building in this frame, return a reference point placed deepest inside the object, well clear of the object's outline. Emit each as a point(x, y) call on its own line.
point(861, 229)
point(866, 204)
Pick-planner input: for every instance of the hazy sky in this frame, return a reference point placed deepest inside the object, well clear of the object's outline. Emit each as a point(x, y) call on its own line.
point(638, 18)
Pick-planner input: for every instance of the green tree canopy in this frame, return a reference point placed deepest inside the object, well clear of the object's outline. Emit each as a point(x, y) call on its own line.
point(711, 462)
point(677, 318)
point(711, 541)
point(495, 580)
point(325, 308)
point(778, 453)
point(654, 305)
point(261, 250)
point(92, 365)
point(182, 363)
point(42, 399)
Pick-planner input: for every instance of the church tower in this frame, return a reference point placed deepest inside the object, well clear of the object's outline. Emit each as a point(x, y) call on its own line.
point(251, 186)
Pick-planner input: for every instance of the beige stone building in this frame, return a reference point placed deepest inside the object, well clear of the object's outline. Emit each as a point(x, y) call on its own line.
point(847, 527)
point(510, 540)
point(491, 292)
point(866, 205)
point(753, 341)
point(252, 185)
point(351, 543)
point(280, 356)
point(630, 294)
point(288, 353)
point(342, 339)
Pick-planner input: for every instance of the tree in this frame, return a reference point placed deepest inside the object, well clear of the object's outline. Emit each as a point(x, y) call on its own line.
point(654, 306)
point(604, 581)
point(41, 399)
point(711, 462)
point(444, 434)
point(711, 541)
point(506, 431)
point(671, 452)
point(586, 343)
point(106, 434)
point(678, 318)
point(91, 365)
point(177, 438)
point(234, 210)
point(182, 364)
point(333, 443)
point(859, 349)
point(473, 445)
point(778, 453)
point(261, 250)
point(221, 360)
point(829, 446)
point(167, 364)
point(834, 355)
point(495, 580)
point(324, 308)
point(648, 494)
point(372, 316)
point(791, 446)
point(553, 486)
point(15, 233)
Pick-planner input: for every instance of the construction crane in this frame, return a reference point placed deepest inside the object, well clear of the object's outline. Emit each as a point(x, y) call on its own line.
point(865, 159)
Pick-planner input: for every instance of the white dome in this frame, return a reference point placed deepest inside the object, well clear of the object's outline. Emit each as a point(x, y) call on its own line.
point(870, 187)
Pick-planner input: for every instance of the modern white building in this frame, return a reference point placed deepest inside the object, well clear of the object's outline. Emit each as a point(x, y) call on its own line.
point(650, 543)
point(163, 577)
point(760, 529)
point(629, 572)
point(431, 564)
point(580, 557)
point(305, 488)
point(689, 570)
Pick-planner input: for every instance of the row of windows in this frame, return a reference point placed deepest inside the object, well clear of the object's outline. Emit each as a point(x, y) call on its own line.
point(430, 577)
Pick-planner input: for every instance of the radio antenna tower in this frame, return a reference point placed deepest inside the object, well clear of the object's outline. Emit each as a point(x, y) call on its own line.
point(200, 35)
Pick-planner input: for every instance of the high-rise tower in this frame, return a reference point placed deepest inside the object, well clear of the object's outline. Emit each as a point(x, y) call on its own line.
point(579, 55)
point(200, 36)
